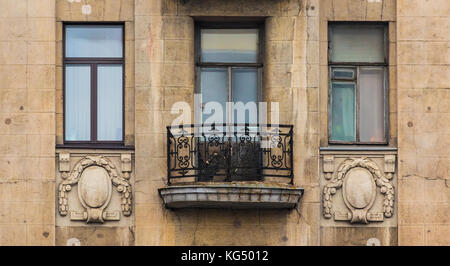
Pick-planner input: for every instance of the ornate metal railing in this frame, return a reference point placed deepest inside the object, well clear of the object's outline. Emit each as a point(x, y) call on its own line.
point(229, 152)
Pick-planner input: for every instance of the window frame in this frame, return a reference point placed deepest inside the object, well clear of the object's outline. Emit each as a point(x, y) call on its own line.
point(259, 65)
point(356, 66)
point(93, 62)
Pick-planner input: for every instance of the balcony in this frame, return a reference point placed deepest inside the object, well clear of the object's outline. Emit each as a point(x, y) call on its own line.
point(230, 166)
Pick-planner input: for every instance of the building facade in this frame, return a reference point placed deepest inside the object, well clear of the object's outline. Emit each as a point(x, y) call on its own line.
point(89, 154)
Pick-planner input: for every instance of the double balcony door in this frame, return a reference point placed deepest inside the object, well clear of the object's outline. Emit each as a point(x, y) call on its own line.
point(234, 158)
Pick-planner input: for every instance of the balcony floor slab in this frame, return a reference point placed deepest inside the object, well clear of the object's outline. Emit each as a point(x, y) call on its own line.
point(231, 195)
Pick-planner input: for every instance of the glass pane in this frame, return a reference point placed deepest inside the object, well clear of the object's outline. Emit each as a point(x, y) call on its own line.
point(229, 45)
point(357, 43)
point(109, 99)
point(344, 73)
point(214, 87)
point(343, 111)
point(371, 99)
point(78, 103)
point(245, 90)
point(94, 41)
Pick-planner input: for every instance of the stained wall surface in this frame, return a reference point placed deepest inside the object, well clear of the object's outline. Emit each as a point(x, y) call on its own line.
point(27, 122)
point(160, 71)
point(423, 33)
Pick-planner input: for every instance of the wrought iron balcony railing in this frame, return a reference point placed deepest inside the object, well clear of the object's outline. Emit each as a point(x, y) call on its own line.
point(229, 152)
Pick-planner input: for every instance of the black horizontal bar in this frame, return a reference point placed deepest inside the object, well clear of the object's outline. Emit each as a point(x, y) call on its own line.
point(223, 64)
point(230, 124)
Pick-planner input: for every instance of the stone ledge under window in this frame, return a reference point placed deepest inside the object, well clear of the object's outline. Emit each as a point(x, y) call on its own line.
point(233, 195)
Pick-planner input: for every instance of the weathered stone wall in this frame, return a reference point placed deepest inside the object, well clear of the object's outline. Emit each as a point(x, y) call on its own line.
point(335, 231)
point(27, 122)
point(424, 122)
point(118, 229)
point(160, 71)
point(165, 74)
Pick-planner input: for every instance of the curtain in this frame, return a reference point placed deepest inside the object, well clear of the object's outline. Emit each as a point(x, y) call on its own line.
point(94, 41)
point(371, 100)
point(245, 90)
point(363, 43)
point(77, 103)
point(343, 111)
point(110, 103)
point(230, 45)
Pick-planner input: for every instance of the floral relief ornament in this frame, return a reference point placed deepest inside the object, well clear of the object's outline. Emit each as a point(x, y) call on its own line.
point(95, 195)
point(337, 181)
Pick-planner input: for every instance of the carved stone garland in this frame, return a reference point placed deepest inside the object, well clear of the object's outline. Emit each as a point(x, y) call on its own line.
point(386, 187)
point(122, 185)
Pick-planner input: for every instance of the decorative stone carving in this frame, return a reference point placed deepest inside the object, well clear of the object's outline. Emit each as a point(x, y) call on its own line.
point(328, 166)
point(64, 164)
point(389, 166)
point(95, 176)
point(359, 178)
point(126, 165)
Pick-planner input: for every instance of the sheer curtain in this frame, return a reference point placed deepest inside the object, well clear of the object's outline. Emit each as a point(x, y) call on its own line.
point(371, 101)
point(214, 87)
point(229, 45)
point(343, 111)
point(364, 43)
point(93, 41)
point(245, 90)
point(77, 102)
point(109, 99)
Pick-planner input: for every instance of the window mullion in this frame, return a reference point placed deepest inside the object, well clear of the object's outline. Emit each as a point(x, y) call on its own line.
point(94, 103)
point(357, 104)
point(230, 95)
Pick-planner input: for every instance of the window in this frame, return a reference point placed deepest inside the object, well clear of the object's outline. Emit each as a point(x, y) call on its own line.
point(229, 66)
point(358, 65)
point(93, 83)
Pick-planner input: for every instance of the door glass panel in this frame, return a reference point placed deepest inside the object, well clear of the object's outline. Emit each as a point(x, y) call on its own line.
point(214, 87)
point(245, 90)
point(343, 111)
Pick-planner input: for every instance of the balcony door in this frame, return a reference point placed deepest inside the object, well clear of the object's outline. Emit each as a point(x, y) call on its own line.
point(229, 69)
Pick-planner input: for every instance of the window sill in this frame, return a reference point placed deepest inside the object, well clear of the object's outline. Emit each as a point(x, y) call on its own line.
point(357, 148)
point(95, 146)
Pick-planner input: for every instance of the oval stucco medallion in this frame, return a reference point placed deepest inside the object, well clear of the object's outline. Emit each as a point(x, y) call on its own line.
point(94, 186)
point(359, 188)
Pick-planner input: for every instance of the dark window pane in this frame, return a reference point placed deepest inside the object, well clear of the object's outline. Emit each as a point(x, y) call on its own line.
point(245, 90)
point(344, 73)
point(229, 45)
point(360, 43)
point(343, 111)
point(94, 41)
point(371, 99)
point(77, 103)
point(109, 99)
point(214, 87)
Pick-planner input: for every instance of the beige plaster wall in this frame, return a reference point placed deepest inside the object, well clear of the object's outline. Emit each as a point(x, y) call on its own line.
point(111, 232)
point(344, 233)
point(424, 121)
point(160, 71)
point(165, 74)
point(27, 122)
